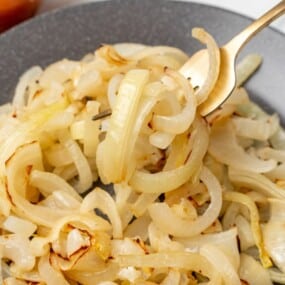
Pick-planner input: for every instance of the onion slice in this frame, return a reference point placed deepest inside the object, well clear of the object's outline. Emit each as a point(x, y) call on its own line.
point(190, 261)
point(111, 161)
point(166, 181)
point(221, 263)
point(252, 272)
point(224, 147)
point(255, 226)
point(177, 124)
point(214, 64)
point(100, 199)
point(164, 218)
point(257, 182)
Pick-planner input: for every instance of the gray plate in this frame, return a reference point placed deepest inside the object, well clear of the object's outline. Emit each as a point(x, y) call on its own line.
point(74, 31)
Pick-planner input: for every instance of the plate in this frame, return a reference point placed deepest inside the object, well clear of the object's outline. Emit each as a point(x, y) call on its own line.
point(74, 31)
point(77, 30)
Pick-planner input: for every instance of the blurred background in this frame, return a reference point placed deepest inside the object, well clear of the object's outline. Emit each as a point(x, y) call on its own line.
point(14, 11)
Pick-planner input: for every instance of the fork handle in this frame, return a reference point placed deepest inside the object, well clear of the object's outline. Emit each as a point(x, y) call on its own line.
point(235, 45)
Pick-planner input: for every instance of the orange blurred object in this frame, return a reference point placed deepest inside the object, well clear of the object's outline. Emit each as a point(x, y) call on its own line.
point(13, 12)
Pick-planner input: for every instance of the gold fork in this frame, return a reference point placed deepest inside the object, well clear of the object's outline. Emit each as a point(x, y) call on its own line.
point(196, 67)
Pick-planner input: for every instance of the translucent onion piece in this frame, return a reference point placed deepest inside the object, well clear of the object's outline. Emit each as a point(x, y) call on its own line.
point(271, 153)
point(19, 226)
point(257, 197)
point(164, 218)
point(138, 228)
point(30, 276)
point(49, 274)
point(88, 84)
point(77, 130)
point(29, 129)
point(256, 129)
point(214, 63)
point(91, 255)
point(5, 110)
point(180, 150)
point(221, 263)
point(190, 261)
point(113, 87)
point(75, 241)
point(139, 207)
point(129, 49)
point(59, 72)
point(111, 161)
point(166, 181)
point(123, 192)
point(126, 246)
point(13, 281)
point(161, 242)
point(149, 51)
point(40, 245)
point(18, 168)
point(39, 215)
point(17, 248)
point(66, 172)
point(278, 139)
point(255, 226)
point(90, 277)
point(123, 195)
point(20, 164)
point(91, 129)
point(100, 199)
point(185, 209)
point(277, 276)
point(173, 278)
point(32, 74)
point(60, 200)
point(277, 210)
point(230, 215)
point(57, 155)
point(224, 147)
point(159, 62)
point(274, 241)
point(252, 272)
point(250, 109)
point(8, 125)
point(170, 104)
point(177, 124)
point(246, 67)
point(257, 182)
point(80, 161)
point(278, 173)
point(59, 121)
point(48, 182)
point(161, 140)
point(153, 93)
point(130, 274)
point(245, 235)
point(226, 241)
point(109, 53)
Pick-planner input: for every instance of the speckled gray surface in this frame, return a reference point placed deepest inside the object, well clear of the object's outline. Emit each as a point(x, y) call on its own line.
point(74, 31)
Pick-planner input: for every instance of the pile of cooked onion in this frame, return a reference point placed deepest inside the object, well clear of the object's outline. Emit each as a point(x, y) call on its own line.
point(109, 175)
